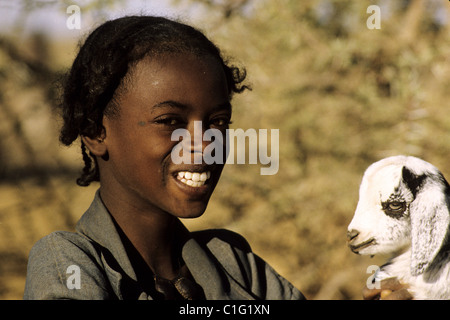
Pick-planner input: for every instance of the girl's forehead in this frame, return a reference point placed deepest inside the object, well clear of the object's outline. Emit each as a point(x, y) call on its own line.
point(178, 62)
point(190, 80)
point(177, 71)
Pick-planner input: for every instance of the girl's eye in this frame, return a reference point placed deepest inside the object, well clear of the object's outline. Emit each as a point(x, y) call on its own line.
point(220, 122)
point(169, 121)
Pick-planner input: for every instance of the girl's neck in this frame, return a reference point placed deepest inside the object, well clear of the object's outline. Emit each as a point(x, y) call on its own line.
point(156, 236)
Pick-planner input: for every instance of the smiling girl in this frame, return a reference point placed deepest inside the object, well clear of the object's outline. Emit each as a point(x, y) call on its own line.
point(134, 81)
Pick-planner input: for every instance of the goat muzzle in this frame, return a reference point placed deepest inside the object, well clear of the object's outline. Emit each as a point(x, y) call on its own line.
point(352, 234)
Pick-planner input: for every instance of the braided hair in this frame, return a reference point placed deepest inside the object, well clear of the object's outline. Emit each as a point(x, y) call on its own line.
point(91, 88)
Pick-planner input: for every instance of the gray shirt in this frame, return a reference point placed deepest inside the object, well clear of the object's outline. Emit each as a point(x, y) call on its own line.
point(92, 263)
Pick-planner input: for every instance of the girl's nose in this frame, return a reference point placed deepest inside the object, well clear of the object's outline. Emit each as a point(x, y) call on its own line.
point(197, 130)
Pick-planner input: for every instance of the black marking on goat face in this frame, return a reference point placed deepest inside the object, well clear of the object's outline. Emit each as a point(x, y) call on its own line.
point(413, 181)
point(397, 205)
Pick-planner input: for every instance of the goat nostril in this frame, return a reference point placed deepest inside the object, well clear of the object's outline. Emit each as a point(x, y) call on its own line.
point(352, 234)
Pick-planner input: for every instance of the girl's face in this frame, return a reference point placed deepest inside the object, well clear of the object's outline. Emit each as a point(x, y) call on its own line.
point(162, 95)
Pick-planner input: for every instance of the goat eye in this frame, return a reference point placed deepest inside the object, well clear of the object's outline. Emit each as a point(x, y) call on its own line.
point(396, 206)
point(394, 209)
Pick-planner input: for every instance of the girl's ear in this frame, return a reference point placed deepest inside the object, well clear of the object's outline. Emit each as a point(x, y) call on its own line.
point(95, 145)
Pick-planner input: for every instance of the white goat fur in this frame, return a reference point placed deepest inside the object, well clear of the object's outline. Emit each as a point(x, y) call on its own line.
point(417, 234)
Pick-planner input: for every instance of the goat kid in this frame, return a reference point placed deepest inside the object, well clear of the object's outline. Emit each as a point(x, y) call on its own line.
point(403, 210)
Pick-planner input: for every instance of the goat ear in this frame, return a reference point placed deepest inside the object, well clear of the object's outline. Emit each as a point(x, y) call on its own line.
point(430, 217)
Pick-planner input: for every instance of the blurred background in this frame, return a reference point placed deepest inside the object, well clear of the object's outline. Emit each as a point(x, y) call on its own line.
point(342, 96)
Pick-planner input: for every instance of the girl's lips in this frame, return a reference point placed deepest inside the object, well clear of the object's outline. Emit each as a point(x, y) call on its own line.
point(194, 183)
point(193, 179)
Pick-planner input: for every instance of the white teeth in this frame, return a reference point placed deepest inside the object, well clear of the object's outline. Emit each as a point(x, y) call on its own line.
point(194, 179)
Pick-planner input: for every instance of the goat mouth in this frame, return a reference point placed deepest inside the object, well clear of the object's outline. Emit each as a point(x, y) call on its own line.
point(358, 247)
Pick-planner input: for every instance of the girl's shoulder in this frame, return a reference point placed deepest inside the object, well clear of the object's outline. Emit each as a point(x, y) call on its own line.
point(62, 262)
point(64, 244)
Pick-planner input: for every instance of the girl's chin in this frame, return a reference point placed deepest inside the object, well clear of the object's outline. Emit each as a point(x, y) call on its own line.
point(189, 201)
point(188, 208)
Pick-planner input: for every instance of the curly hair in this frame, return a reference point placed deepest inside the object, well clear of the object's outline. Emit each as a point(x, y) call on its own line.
point(91, 87)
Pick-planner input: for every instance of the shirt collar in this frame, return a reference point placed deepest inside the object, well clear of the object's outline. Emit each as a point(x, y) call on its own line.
point(98, 225)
